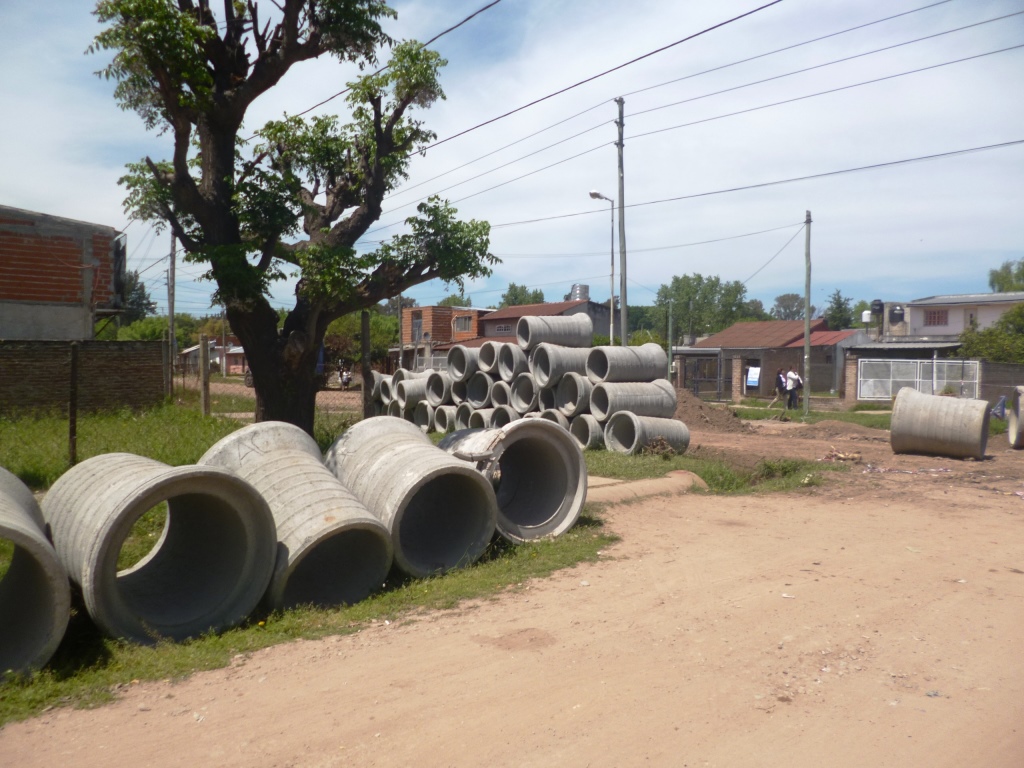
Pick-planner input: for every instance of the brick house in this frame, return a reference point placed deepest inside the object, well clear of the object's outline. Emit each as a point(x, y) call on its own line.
point(57, 276)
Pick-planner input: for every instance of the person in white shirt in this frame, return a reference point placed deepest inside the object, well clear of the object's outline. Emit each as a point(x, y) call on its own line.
point(793, 386)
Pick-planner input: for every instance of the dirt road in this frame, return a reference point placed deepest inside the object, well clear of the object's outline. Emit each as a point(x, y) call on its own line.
point(873, 621)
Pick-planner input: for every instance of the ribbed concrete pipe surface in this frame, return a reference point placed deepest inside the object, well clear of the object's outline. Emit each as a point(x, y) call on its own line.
point(572, 395)
point(628, 433)
point(502, 415)
point(615, 364)
point(1013, 431)
point(549, 363)
point(439, 388)
point(539, 470)
point(423, 416)
point(569, 331)
point(35, 600)
point(462, 362)
point(487, 360)
point(655, 398)
point(440, 511)
point(478, 390)
point(209, 569)
point(480, 418)
point(511, 362)
point(588, 431)
point(331, 550)
point(501, 393)
point(556, 416)
point(524, 393)
point(938, 426)
point(411, 391)
point(462, 416)
point(444, 418)
point(405, 374)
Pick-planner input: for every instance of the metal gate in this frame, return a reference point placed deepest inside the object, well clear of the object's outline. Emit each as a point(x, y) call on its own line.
point(882, 379)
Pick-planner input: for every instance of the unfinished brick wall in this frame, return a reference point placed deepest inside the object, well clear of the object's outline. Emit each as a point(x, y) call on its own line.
point(36, 375)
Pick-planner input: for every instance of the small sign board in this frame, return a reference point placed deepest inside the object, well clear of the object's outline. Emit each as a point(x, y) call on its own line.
point(753, 376)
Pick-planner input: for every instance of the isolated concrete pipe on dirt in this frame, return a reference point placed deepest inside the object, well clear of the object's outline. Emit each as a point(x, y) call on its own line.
point(478, 390)
point(524, 393)
point(423, 416)
point(331, 550)
point(556, 416)
point(511, 362)
point(628, 433)
point(444, 418)
point(549, 363)
point(569, 331)
point(35, 600)
point(588, 431)
point(208, 570)
point(655, 398)
point(439, 510)
point(462, 362)
point(539, 471)
point(616, 364)
point(487, 359)
point(572, 395)
point(1013, 431)
point(439, 388)
point(938, 426)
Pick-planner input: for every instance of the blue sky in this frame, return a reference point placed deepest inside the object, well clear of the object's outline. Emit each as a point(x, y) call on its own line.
point(897, 234)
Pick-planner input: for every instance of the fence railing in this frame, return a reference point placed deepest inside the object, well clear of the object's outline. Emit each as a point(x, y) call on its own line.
point(883, 379)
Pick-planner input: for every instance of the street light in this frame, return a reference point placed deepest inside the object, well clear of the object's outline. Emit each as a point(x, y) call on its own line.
point(611, 280)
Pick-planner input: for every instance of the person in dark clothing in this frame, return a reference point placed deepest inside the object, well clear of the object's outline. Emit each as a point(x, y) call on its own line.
point(780, 389)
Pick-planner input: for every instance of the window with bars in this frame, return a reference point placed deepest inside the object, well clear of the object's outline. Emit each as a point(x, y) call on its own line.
point(936, 317)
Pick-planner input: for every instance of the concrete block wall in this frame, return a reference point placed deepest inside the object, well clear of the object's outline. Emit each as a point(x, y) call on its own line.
point(850, 374)
point(737, 378)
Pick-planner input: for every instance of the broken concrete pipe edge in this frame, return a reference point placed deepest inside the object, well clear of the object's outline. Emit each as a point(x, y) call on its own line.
point(440, 510)
point(207, 572)
point(655, 398)
point(938, 426)
point(588, 432)
point(331, 550)
point(549, 363)
point(462, 362)
point(628, 433)
point(647, 362)
point(568, 331)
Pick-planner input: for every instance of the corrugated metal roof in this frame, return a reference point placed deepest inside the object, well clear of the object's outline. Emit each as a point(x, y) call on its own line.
point(907, 345)
point(534, 310)
point(1015, 297)
point(761, 334)
point(823, 338)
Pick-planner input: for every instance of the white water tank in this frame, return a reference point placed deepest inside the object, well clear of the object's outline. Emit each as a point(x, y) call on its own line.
point(865, 316)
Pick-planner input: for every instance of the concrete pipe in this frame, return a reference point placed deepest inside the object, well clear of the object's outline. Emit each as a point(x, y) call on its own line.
point(478, 390)
point(440, 511)
point(501, 393)
point(588, 432)
point(487, 360)
point(555, 415)
point(655, 398)
point(458, 392)
point(462, 416)
point(502, 415)
point(524, 393)
point(481, 418)
point(546, 399)
point(331, 550)
point(423, 416)
point(938, 426)
point(395, 409)
point(568, 331)
point(628, 433)
point(539, 471)
point(644, 363)
point(404, 374)
point(209, 569)
point(386, 394)
point(1014, 431)
point(572, 395)
point(511, 362)
point(550, 363)
point(379, 408)
point(462, 362)
point(35, 600)
point(444, 418)
point(376, 377)
point(439, 388)
point(411, 391)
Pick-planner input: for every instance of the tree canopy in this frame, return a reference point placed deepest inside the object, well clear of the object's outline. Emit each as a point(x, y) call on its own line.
point(455, 300)
point(1001, 342)
point(137, 302)
point(790, 306)
point(1008, 277)
point(702, 305)
point(838, 314)
point(517, 295)
point(296, 197)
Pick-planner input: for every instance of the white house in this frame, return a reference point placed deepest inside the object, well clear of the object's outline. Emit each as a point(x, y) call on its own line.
point(950, 315)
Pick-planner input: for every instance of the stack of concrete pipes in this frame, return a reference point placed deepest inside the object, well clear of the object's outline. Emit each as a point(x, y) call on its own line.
point(263, 519)
point(614, 397)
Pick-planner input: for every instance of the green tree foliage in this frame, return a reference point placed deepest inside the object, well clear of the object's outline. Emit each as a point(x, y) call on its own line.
point(455, 300)
point(858, 310)
point(137, 302)
point(838, 314)
point(1002, 342)
point(517, 295)
point(1008, 277)
point(342, 340)
point(186, 330)
point(754, 310)
point(790, 306)
point(296, 197)
point(391, 306)
point(701, 305)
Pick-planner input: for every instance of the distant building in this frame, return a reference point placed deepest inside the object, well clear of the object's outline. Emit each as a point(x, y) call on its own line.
point(501, 323)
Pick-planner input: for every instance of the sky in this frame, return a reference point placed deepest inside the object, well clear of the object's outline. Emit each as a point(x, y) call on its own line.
point(699, 124)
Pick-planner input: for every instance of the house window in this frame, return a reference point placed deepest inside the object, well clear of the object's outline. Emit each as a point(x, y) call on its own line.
point(417, 326)
point(936, 317)
point(464, 323)
point(502, 329)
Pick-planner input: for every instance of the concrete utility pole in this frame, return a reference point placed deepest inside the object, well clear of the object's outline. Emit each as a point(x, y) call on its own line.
point(623, 319)
point(170, 306)
point(807, 316)
point(670, 341)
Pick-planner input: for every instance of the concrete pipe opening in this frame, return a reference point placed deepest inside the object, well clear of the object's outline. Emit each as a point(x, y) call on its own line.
point(478, 390)
point(1014, 433)
point(587, 431)
point(386, 390)
point(647, 362)
point(462, 362)
point(341, 570)
point(487, 360)
point(555, 416)
point(458, 392)
point(628, 433)
point(423, 416)
point(395, 409)
point(35, 600)
point(444, 418)
point(411, 391)
point(546, 399)
point(462, 416)
point(524, 393)
point(501, 394)
point(511, 362)
point(549, 363)
point(480, 419)
point(502, 415)
point(572, 395)
point(207, 571)
point(439, 389)
point(939, 426)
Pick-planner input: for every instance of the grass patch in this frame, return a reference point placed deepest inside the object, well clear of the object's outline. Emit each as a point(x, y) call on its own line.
point(880, 406)
point(872, 420)
point(143, 536)
point(220, 402)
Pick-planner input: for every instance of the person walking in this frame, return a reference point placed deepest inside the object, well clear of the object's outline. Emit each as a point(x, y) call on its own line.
point(780, 389)
point(793, 386)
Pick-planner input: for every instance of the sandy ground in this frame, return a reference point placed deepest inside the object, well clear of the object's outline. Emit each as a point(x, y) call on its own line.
point(873, 621)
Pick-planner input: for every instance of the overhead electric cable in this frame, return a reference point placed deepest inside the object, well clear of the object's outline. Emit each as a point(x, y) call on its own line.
point(776, 254)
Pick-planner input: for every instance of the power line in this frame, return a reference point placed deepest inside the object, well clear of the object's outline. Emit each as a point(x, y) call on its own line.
point(776, 254)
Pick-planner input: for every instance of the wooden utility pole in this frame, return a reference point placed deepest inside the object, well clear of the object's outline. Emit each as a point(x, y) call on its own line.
point(204, 374)
point(364, 358)
point(807, 315)
point(670, 341)
point(170, 308)
point(623, 319)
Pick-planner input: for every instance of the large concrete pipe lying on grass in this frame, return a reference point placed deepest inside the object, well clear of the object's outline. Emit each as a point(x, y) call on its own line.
point(539, 471)
point(938, 426)
point(569, 331)
point(555, 415)
point(208, 570)
point(462, 416)
point(478, 390)
point(588, 431)
point(439, 388)
point(487, 360)
point(462, 362)
point(511, 362)
point(549, 363)
point(655, 398)
point(644, 363)
point(480, 418)
point(501, 393)
point(411, 391)
point(423, 416)
point(572, 395)
point(1013, 430)
point(331, 550)
point(502, 415)
point(444, 418)
point(628, 433)
point(524, 393)
point(35, 600)
point(440, 511)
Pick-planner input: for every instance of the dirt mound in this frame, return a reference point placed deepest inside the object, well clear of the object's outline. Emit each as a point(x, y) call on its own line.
point(830, 430)
point(700, 416)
